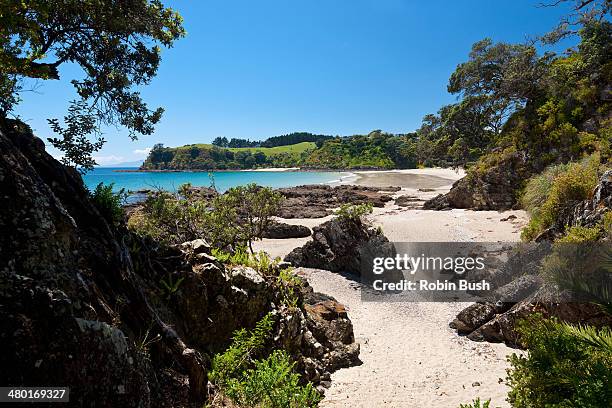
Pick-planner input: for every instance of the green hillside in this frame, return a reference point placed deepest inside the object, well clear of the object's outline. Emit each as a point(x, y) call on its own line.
point(377, 150)
point(209, 157)
point(268, 151)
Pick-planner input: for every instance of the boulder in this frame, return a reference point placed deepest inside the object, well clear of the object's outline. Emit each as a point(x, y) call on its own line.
point(195, 247)
point(408, 201)
point(342, 245)
point(518, 289)
point(472, 317)
point(281, 230)
point(494, 188)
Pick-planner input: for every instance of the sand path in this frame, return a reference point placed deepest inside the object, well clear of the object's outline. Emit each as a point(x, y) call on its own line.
point(411, 358)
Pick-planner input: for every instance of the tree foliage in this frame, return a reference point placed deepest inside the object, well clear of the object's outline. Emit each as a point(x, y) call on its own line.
point(117, 46)
point(230, 221)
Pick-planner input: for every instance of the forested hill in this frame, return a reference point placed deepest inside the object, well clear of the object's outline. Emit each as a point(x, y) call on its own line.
point(377, 150)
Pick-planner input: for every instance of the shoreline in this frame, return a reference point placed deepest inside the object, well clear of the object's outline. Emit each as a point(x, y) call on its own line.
point(289, 169)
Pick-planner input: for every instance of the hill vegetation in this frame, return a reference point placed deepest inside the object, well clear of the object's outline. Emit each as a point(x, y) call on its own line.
point(377, 150)
point(211, 157)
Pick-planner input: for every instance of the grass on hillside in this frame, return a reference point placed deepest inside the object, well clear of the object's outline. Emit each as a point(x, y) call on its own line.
point(268, 151)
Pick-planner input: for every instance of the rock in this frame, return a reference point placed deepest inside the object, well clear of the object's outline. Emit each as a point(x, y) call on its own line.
point(473, 317)
point(247, 278)
point(197, 246)
point(281, 230)
point(72, 306)
point(509, 218)
point(518, 289)
point(491, 189)
point(408, 201)
point(331, 328)
point(546, 301)
point(316, 201)
point(341, 245)
point(502, 328)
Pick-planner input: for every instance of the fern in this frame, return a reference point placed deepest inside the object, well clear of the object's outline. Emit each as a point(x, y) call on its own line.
point(597, 338)
point(170, 286)
point(241, 353)
point(272, 383)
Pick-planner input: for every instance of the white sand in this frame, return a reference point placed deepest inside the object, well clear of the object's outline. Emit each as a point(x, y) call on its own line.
point(411, 358)
point(274, 169)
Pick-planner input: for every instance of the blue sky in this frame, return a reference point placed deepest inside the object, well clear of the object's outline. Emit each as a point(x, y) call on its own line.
point(254, 69)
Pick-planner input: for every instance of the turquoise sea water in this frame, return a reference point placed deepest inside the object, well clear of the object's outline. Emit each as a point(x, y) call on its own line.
point(223, 180)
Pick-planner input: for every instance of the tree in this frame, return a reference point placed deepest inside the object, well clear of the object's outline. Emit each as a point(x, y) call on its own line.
point(116, 44)
point(260, 157)
point(220, 141)
point(583, 12)
point(503, 76)
point(254, 206)
point(74, 143)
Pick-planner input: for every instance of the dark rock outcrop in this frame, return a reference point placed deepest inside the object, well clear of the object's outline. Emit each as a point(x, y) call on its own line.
point(71, 305)
point(472, 317)
point(492, 189)
point(409, 201)
point(341, 245)
point(282, 230)
point(317, 201)
point(320, 335)
point(502, 327)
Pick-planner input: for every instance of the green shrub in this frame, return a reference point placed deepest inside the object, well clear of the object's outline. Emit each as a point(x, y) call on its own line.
point(247, 209)
point(538, 187)
point(579, 234)
point(477, 404)
point(580, 261)
point(267, 382)
point(109, 203)
point(229, 221)
point(272, 383)
point(245, 347)
point(260, 261)
point(607, 222)
point(289, 286)
point(560, 369)
point(548, 195)
point(354, 212)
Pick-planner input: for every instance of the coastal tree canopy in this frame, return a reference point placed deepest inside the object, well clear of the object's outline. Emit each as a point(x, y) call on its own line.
point(116, 44)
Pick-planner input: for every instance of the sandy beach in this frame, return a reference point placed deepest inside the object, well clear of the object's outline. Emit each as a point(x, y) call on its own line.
point(410, 356)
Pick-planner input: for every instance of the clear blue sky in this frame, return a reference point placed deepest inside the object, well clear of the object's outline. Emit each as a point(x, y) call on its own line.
point(254, 69)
